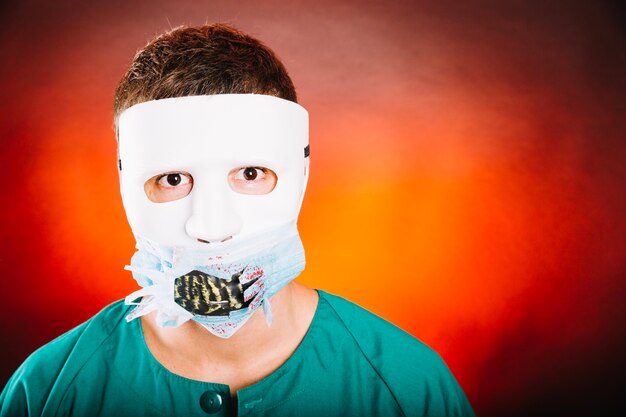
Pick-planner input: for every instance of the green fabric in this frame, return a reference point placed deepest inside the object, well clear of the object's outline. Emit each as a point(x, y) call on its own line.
point(350, 363)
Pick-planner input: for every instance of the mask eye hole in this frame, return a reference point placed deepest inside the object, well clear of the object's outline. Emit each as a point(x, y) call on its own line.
point(169, 186)
point(252, 180)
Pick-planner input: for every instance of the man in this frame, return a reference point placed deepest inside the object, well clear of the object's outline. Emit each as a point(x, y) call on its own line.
point(213, 161)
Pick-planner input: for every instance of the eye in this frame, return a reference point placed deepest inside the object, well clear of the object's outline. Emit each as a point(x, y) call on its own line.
point(250, 174)
point(168, 187)
point(173, 180)
point(252, 180)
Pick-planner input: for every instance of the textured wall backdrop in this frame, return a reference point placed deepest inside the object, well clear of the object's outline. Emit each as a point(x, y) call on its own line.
point(467, 181)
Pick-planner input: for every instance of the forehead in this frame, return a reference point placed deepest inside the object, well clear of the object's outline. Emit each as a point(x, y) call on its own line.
point(223, 126)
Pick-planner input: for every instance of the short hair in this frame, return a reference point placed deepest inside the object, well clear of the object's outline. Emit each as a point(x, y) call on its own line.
point(203, 60)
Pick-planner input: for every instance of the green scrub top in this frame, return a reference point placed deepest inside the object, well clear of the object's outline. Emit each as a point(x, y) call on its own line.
point(350, 363)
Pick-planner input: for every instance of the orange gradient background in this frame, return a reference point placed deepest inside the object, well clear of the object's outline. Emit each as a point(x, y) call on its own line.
point(467, 178)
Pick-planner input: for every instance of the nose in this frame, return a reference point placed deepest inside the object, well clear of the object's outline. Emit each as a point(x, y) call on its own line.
point(213, 218)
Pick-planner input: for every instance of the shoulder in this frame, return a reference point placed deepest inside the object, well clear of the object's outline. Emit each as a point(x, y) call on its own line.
point(413, 372)
point(50, 369)
point(360, 322)
point(373, 334)
point(78, 342)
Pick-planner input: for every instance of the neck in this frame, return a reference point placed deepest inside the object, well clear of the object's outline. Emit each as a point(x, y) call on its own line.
point(191, 351)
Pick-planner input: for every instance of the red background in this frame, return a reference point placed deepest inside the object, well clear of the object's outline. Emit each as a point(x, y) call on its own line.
point(467, 180)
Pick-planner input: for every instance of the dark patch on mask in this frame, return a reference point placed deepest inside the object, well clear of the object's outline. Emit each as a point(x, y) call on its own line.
point(206, 295)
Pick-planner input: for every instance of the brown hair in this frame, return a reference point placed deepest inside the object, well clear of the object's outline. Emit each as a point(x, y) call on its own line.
point(204, 60)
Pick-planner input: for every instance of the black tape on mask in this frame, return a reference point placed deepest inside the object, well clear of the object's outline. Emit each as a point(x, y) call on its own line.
point(206, 295)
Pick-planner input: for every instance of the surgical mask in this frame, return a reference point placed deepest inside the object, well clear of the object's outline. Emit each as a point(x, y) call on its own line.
point(221, 288)
point(219, 252)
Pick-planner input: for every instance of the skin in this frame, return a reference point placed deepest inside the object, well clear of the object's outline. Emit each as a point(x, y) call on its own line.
point(190, 350)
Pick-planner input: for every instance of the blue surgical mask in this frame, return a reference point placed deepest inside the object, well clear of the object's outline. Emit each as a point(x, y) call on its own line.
point(219, 287)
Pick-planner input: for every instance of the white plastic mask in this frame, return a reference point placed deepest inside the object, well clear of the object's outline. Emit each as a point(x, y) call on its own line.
point(209, 138)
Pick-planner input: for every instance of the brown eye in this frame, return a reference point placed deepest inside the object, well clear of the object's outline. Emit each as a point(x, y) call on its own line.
point(252, 180)
point(250, 174)
point(168, 187)
point(173, 179)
